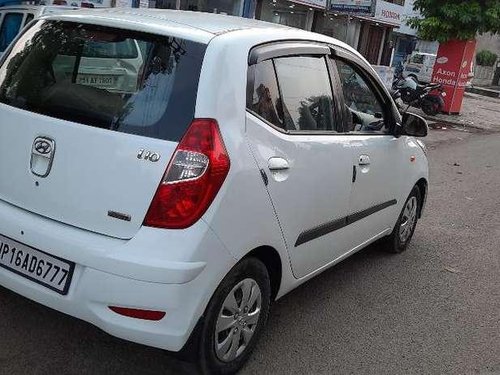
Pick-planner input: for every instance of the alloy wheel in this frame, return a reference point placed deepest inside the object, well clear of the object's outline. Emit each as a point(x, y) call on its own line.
point(408, 219)
point(237, 320)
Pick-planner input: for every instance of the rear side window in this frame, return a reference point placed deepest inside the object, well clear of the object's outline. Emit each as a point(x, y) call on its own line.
point(265, 99)
point(115, 79)
point(10, 28)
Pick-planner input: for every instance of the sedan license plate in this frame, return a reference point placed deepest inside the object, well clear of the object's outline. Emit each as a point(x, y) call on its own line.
point(52, 272)
point(96, 80)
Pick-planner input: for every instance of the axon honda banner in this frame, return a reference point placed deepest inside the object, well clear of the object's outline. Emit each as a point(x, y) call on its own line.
point(452, 69)
point(312, 3)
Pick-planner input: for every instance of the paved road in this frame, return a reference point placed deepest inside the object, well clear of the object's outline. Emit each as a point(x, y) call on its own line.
point(432, 310)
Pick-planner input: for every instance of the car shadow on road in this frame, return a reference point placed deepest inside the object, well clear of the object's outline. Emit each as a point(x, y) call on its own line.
point(37, 339)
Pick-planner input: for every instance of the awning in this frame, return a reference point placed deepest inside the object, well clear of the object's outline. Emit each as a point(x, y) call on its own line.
point(10, 2)
point(320, 4)
point(375, 21)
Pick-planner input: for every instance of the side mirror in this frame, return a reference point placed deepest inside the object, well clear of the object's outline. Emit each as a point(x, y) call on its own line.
point(414, 125)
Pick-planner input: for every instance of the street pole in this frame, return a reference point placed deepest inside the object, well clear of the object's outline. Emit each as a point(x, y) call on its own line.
point(177, 4)
point(348, 23)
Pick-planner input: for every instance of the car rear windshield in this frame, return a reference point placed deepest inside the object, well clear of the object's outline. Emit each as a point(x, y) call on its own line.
point(114, 79)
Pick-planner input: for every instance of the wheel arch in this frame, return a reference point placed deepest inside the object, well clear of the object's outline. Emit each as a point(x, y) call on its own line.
point(422, 186)
point(272, 260)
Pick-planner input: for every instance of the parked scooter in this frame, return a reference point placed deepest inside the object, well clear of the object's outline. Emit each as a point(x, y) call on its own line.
point(429, 97)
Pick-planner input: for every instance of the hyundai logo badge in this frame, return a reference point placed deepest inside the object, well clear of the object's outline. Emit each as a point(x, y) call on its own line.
point(42, 155)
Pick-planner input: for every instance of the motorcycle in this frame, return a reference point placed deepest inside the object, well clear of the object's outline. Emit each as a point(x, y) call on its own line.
point(429, 97)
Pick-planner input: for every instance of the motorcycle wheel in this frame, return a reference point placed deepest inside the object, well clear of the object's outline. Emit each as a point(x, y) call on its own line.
point(431, 108)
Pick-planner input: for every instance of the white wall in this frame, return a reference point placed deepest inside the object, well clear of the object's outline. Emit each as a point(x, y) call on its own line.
point(408, 12)
point(427, 46)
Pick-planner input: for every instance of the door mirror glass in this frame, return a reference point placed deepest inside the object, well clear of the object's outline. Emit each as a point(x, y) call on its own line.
point(414, 125)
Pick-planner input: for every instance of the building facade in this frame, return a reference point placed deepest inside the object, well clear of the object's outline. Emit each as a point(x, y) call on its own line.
point(376, 28)
point(404, 37)
point(242, 8)
point(366, 25)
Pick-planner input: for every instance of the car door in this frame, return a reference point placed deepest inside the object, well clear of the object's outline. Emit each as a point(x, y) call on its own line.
point(376, 154)
point(292, 127)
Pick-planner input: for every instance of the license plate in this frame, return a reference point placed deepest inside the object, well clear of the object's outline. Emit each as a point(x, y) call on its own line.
point(47, 270)
point(96, 80)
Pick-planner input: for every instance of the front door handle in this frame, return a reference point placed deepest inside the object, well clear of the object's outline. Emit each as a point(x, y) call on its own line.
point(277, 164)
point(364, 160)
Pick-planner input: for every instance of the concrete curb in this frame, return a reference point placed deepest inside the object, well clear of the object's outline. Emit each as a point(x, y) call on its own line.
point(483, 91)
point(456, 121)
point(456, 124)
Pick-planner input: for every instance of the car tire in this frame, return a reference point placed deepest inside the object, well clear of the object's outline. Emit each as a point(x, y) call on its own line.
point(243, 293)
point(398, 240)
point(431, 107)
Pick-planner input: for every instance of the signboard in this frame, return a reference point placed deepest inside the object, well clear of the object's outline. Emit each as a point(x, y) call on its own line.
point(312, 3)
point(389, 13)
point(452, 68)
point(361, 7)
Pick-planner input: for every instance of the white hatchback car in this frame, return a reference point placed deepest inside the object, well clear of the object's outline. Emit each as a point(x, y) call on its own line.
point(249, 158)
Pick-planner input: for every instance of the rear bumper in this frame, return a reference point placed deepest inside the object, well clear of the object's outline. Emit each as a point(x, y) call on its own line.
point(156, 270)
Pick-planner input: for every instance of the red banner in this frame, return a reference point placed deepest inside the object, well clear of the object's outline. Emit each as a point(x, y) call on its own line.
point(452, 68)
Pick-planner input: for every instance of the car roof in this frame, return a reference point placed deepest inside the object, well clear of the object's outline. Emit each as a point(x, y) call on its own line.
point(215, 24)
point(210, 23)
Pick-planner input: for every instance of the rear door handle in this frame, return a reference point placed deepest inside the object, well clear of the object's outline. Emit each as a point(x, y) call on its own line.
point(364, 160)
point(278, 164)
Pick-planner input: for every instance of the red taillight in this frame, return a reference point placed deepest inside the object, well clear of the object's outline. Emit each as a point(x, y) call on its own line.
point(138, 314)
point(194, 176)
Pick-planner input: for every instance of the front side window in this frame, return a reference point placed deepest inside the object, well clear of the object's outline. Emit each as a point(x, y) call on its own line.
point(115, 79)
point(10, 28)
point(306, 95)
point(365, 112)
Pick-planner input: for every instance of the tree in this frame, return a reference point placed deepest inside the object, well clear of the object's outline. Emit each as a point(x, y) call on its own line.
point(444, 20)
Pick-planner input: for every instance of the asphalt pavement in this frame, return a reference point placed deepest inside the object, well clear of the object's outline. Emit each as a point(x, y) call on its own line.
point(434, 309)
